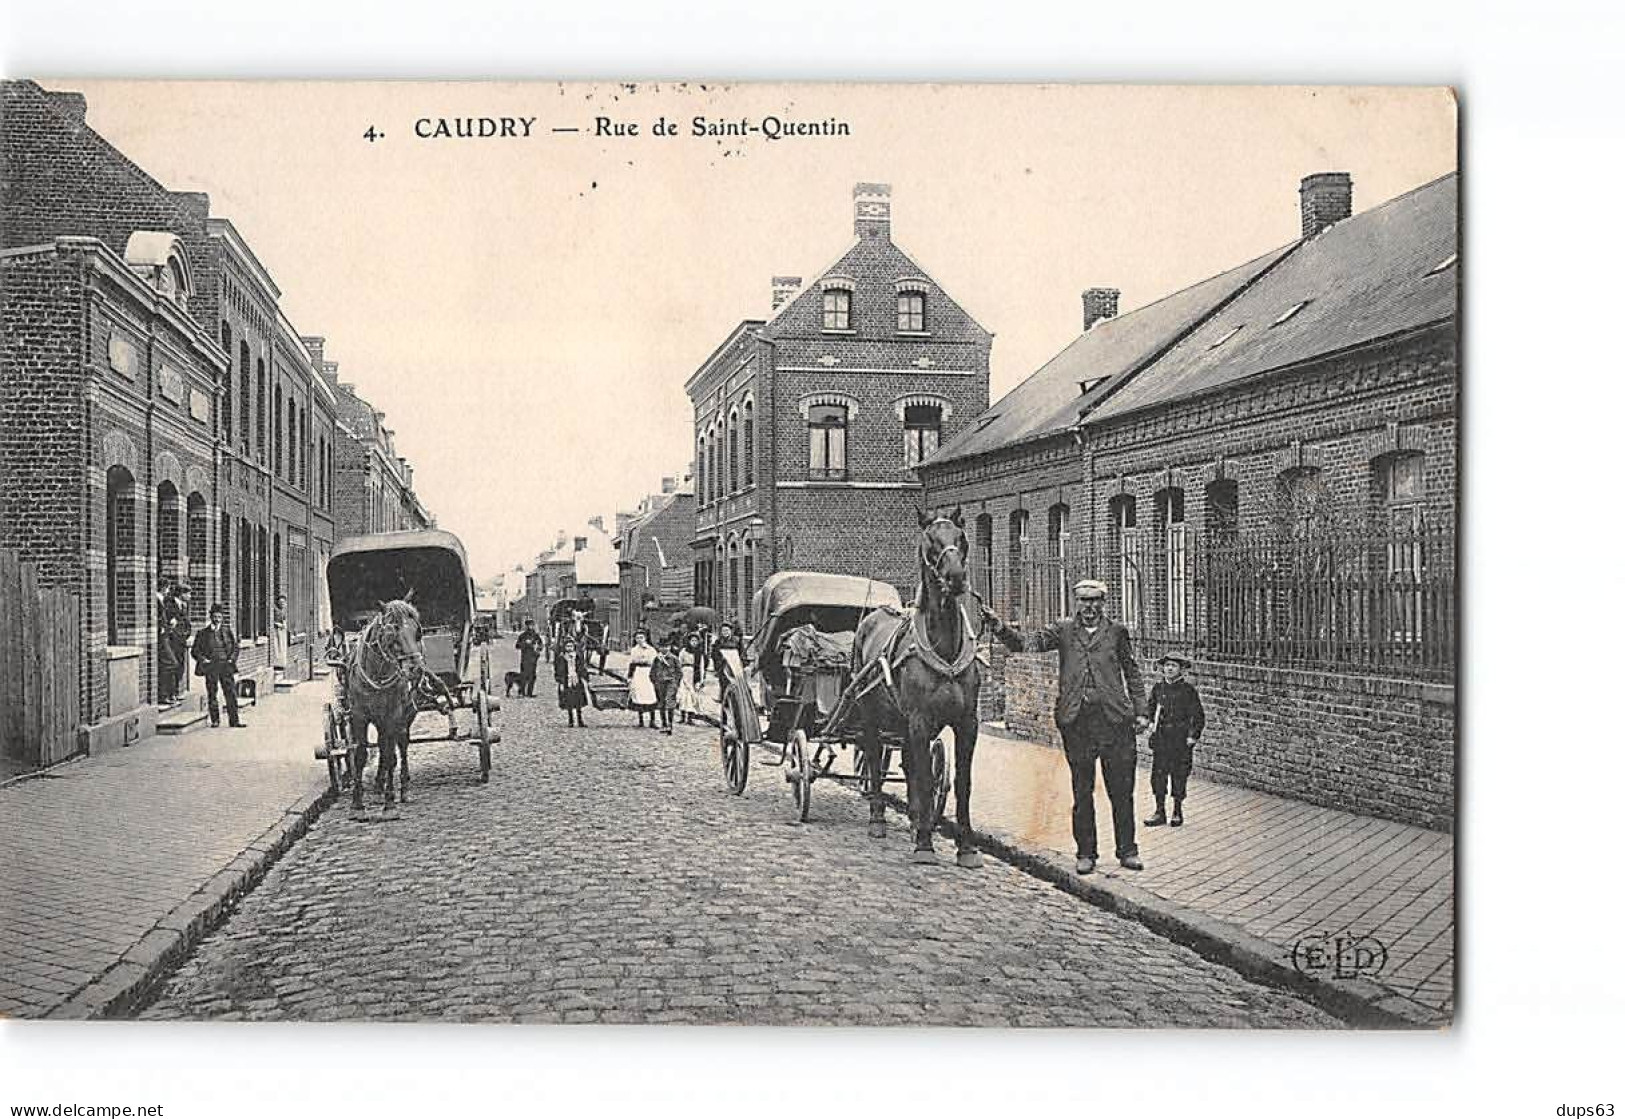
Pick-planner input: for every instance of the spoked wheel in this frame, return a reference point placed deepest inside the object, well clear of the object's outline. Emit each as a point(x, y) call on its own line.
point(735, 747)
point(941, 781)
point(798, 772)
point(335, 749)
point(482, 719)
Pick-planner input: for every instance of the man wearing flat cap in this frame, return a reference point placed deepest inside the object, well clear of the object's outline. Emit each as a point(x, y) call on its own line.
point(1099, 705)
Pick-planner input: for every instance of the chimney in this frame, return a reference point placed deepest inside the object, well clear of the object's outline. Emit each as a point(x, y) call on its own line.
point(596, 522)
point(314, 346)
point(784, 290)
point(1098, 304)
point(668, 485)
point(1325, 199)
point(70, 105)
point(871, 210)
point(581, 543)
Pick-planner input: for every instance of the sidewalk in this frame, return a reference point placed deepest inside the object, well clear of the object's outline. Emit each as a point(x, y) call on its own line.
point(111, 866)
point(1251, 874)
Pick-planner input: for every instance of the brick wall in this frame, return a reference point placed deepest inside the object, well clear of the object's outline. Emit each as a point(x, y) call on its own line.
point(42, 416)
point(63, 179)
point(1374, 746)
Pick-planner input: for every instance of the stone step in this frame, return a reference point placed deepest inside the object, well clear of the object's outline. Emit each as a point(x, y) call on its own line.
point(179, 720)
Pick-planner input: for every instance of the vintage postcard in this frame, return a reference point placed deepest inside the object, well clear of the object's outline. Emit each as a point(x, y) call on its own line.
point(928, 555)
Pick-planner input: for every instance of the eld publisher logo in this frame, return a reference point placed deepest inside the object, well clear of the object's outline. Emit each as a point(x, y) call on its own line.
point(1344, 956)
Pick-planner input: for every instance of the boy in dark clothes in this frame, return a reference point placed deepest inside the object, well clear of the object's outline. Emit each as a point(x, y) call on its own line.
point(1176, 723)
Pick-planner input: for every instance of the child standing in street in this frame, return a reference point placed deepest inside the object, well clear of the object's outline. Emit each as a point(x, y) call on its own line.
point(569, 670)
point(664, 674)
point(1177, 720)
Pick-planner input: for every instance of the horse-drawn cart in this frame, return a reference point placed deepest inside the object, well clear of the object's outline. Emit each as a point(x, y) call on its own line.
point(797, 701)
point(425, 572)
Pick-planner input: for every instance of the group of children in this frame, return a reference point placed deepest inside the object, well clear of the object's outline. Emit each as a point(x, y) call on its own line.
point(662, 681)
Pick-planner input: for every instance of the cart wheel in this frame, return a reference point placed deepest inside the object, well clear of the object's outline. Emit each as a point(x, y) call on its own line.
point(798, 772)
point(482, 717)
point(941, 781)
point(332, 747)
point(735, 747)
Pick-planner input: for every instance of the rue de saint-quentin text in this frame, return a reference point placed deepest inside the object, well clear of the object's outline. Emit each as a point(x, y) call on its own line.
point(769, 127)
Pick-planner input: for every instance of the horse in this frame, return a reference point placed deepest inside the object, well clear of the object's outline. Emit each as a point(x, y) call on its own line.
point(929, 656)
point(383, 677)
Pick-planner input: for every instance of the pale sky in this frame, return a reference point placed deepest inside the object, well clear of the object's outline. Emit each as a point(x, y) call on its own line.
point(526, 310)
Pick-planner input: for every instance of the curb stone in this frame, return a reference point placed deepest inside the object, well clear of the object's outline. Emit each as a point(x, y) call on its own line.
point(1359, 1002)
point(120, 991)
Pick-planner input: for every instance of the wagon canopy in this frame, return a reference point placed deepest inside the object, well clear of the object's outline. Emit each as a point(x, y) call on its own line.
point(429, 567)
point(831, 603)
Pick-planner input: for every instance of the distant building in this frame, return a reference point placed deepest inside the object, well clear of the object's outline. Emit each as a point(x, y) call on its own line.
point(808, 425)
point(594, 574)
point(656, 572)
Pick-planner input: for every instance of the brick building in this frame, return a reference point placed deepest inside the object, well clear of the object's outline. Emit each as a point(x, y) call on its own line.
point(160, 416)
point(656, 572)
point(374, 483)
point(808, 425)
point(276, 436)
point(1263, 467)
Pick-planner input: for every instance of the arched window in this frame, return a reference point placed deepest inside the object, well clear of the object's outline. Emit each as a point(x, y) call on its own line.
point(197, 554)
point(1176, 582)
point(1223, 522)
point(245, 363)
point(226, 554)
point(227, 397)
point(826, 442)
point(1125, 540)
point(732, 610)
point(1057, 534)
point(922, 432)
point(733, 452)
point(276, 435)
point(169, 532)
point(304, 449)
point(748, 587)
point(716, 463)
point(1020, 579)
point(701, 480)
point(984, 555)
point(259, 408)
point(121, 558)
point(750, 443)
point(276, 564)
point(262, 580)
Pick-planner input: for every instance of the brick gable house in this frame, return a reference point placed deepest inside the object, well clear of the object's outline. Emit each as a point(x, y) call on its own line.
point(808, 425)
point(1263, 467)
point(159, 416)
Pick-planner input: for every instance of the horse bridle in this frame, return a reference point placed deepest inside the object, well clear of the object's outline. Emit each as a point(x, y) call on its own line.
point(376, 628)
point(935, 567)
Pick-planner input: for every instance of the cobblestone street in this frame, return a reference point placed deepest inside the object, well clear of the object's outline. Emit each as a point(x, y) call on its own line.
point(605, 875)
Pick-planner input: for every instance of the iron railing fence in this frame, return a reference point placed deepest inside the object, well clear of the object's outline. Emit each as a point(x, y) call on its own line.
point(1378, 602)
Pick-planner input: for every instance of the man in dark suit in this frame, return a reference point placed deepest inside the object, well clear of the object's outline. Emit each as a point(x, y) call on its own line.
point(1099, 705)
point(530, 651)
point(216, 653)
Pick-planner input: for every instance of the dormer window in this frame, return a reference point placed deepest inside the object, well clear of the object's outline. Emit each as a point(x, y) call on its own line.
point(160, 259)
point(837, 309)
